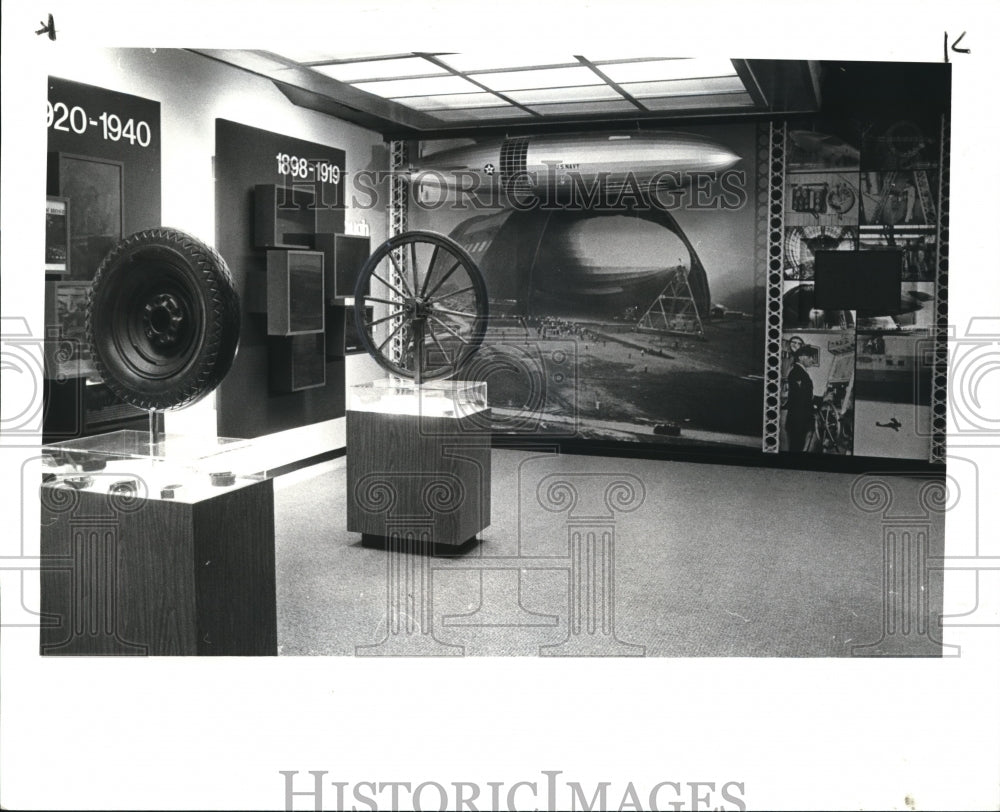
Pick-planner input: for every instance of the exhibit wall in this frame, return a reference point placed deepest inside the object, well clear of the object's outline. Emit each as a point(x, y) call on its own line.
point(628, 311)
point(193, 92)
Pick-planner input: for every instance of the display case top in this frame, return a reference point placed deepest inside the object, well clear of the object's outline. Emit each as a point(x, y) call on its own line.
point(137, 444)
point(176, 467)
point(447, 398)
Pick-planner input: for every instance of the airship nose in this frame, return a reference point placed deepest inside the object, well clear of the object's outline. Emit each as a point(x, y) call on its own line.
point(731, 158)
point(719, 157)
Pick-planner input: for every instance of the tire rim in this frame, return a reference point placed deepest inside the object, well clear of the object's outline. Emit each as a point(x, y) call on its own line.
point(158, 338)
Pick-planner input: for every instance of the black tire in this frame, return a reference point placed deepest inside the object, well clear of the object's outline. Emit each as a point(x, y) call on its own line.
point(163, 320)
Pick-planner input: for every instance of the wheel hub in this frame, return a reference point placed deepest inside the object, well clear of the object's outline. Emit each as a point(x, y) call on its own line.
point(420, 309)
point(163, 320)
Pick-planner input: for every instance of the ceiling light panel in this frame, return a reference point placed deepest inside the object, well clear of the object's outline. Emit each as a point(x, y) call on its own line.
point(625, 53)
point(684, 87)
point(576, 108)
point(561, 94)
point(431, 86)
point(714, 102)
point(452, 101)
point(533, 79)
point(480, 114)
point(380, 69)
point(661, 69)
point(481, 61)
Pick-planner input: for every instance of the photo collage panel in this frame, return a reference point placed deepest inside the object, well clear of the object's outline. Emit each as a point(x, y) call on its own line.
point(844, 371)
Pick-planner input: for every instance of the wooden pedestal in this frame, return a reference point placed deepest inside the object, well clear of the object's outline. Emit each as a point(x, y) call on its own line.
point(157, 576)
point(419, 477)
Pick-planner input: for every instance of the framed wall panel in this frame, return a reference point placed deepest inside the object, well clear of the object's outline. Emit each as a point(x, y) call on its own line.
point(284, 216)
point(95, 188)
point(296, 363)
point(57, 229)
point(295, 302)
point(350, 253)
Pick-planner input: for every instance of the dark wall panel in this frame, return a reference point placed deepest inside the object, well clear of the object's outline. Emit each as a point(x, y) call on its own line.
point(104, 157)
point(244, 157)
point(101, 123)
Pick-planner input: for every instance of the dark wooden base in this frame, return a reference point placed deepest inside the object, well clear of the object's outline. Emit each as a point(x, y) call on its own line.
point(157, 576)
point(419, 477)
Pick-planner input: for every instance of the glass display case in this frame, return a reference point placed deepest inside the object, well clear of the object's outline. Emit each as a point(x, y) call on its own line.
point(430, 399)
point(176, 467)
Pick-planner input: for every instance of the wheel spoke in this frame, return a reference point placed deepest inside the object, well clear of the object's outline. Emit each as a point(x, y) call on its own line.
point(413, 267)
point(395, 315)
point(444, 278)
point(393, 302)
point(430, 269)
point(449, 295)
point(448, 328)
point(391, 287)
point(391, 335)
point(459, 313)
point(401, 275)
point(440, 346)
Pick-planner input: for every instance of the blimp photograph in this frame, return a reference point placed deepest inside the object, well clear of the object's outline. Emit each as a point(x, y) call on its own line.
point(618, 310)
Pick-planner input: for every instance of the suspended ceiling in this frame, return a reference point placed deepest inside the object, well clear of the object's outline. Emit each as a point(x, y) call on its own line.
point(430, 95)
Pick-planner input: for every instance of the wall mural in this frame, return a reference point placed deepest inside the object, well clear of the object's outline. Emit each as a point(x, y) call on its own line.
point(621, 280)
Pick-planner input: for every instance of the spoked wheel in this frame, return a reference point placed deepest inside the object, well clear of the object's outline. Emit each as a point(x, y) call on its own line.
point(828, 427)
point(163, 320)
point(424, 290)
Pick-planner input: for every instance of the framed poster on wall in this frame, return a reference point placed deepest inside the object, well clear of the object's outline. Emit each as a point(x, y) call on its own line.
point(95, 188)
point(56, 235)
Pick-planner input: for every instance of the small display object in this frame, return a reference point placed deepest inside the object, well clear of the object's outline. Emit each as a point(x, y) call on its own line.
point(418, 462)
point(156, 546)
point(295, 303)
point(57, 235)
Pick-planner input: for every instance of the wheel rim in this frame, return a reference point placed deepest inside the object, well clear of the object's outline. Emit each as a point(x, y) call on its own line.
point(164, 325)
point(428, 298)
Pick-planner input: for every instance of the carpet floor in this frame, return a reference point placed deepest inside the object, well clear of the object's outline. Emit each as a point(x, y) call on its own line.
point(706, 560)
